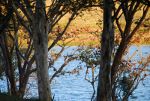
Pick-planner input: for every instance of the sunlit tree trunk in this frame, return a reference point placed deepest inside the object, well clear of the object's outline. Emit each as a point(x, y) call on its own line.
point(104, 90)
point(40, 41)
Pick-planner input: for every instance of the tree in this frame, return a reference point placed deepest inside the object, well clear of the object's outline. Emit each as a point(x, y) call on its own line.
point(104, 86)
point(40, 41)
point(5, 18)
point(128, 9)
point(39, 20)
point(109, 67)
point(15, 58)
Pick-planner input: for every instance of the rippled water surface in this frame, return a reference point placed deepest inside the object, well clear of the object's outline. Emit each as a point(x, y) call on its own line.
point(76, 88)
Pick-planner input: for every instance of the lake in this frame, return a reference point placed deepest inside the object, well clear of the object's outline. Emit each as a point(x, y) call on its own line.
point(73, 87)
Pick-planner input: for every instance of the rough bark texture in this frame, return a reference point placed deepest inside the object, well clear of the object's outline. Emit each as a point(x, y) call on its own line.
point(40, 40)
point(104, 91)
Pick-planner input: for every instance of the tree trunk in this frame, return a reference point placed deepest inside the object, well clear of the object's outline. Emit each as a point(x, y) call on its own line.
point(118, 57)
point(9, 70)
point(22, 85)
point(40, 41)
point(104, 90)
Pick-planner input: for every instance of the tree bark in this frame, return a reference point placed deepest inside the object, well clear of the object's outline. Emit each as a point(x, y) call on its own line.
point(9, 70)
point(40, 41)
point(104, 90)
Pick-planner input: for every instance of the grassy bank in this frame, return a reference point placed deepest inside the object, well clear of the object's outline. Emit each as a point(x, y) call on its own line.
point(86, 28)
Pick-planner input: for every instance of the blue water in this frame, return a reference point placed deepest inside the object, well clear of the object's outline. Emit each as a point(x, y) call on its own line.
point(74, 87)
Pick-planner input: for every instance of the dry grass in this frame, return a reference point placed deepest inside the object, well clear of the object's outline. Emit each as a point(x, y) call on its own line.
point(88, 27)
point(85, 29)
